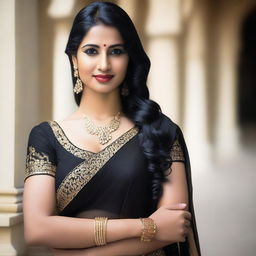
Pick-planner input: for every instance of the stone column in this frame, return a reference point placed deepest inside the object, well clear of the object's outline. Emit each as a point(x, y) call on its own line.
point(62, 18)
point(63, 99)
point(18, 112)
point(195, 116)
point(227, 130)
point(162, 30)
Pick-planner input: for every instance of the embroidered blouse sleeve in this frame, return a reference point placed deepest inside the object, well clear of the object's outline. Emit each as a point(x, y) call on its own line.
point(177, 154)
point(40, 158)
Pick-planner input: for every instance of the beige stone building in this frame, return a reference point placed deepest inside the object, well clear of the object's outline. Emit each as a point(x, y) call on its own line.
point(203, 75)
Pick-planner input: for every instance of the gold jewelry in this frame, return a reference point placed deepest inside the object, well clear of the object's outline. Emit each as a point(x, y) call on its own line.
point(103, 132)
point(79, 85)
point(100, 230)
point(148, 230)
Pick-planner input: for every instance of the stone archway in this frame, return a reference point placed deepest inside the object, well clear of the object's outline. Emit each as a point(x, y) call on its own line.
point(228, 21)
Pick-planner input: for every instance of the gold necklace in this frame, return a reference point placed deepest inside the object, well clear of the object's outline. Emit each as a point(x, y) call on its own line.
point(103, 132)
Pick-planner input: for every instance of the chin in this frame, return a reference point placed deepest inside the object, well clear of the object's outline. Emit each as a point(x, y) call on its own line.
point(108, 88)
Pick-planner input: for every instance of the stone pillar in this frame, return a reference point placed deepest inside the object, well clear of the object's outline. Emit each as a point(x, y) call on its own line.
point(195, 116)
point(18, 112)
point(63, 98)
point(162, 30)
point(61, 16)
point(227, 130)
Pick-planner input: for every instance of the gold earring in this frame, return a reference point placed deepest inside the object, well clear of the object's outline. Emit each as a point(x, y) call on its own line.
point(79, 85)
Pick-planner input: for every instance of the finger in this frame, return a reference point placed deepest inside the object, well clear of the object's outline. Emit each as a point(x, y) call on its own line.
point(182, 238)
point(180, 206)
point(187, 223)
point(186, 231)
point(187, 215)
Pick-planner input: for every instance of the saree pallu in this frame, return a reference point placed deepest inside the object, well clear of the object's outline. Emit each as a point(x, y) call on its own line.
point(113, 183)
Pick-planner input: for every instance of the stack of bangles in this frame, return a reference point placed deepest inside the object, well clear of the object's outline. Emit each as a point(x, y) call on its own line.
point(100, 230)
point(148, 230)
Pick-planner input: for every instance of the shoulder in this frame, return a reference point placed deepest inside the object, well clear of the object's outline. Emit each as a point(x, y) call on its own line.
point(41, 141)
point(174, 131)
point(41, 127)
point(169, 125)
point(168, 121)
point(41, 155)
point(41, 134)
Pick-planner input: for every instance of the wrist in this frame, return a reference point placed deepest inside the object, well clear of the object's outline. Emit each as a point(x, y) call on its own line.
point(149, 229)
point(134, 226)
point(118, 229)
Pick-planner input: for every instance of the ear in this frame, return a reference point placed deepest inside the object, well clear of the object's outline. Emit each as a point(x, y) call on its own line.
point(74, 60)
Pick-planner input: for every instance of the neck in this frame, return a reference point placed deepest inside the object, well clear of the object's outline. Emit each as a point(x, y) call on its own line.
point(100, 106)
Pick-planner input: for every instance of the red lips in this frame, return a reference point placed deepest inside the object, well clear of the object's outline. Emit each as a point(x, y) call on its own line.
point(103, 78)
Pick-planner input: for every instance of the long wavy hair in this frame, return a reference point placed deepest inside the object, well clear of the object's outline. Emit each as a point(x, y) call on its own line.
point(156, 130)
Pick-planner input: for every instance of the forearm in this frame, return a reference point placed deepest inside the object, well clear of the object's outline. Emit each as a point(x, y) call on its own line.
point(67, 232)
point(128, 247)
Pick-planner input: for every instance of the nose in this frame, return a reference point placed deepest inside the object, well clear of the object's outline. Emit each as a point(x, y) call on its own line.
point(104, 64)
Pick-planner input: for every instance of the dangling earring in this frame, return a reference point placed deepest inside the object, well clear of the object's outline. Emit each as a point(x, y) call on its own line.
point(125, 90)
point(79, 85)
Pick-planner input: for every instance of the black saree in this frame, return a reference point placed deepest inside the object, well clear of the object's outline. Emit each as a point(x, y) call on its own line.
point(113, 183)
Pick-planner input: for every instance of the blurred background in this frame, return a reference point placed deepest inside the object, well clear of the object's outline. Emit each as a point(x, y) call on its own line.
point(203, 74)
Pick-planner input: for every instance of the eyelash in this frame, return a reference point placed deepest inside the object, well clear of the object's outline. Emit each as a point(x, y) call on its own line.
point(120, 51)
point(90, 51)
point(115, 51)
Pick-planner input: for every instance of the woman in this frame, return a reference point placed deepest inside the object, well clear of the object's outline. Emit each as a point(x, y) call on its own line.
point(99, 182)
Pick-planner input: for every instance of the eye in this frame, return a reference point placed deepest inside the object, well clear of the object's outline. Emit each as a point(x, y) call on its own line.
point(117, 51)
point(91, 51)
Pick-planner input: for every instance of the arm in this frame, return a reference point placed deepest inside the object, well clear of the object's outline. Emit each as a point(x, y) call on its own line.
point(174, 192)
point(121, 248)
point(41, 225)
point(43, 228)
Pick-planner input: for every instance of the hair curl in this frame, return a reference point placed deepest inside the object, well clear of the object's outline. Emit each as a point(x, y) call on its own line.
point(156, 130)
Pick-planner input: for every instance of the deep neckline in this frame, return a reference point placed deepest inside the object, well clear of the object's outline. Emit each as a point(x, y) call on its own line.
point(89, 151)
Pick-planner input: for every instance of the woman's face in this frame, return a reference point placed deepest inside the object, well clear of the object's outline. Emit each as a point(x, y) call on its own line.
point(102, 59)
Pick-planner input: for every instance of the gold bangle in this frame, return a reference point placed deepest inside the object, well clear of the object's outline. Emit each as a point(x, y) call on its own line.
point(148, 229)
point(100, 230)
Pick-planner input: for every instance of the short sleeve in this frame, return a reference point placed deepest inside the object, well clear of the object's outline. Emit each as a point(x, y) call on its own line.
point(177, 154)
point(40, 159)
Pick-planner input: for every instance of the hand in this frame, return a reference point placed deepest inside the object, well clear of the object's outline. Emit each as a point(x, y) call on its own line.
point(173, 223)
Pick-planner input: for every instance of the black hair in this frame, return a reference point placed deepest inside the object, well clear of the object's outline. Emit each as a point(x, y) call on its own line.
point(156, 130)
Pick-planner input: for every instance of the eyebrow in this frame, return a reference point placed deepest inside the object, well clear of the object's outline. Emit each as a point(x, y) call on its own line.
point(97, 46)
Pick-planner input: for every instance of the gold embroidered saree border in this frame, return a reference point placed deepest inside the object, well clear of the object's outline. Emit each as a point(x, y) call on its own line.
point(85, 171)
point(38, 163)
point(176, 152)
point(64, 141)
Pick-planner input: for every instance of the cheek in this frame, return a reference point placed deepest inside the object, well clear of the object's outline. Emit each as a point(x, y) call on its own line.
point(85, 63)
point(122, 65)
point(86, 66)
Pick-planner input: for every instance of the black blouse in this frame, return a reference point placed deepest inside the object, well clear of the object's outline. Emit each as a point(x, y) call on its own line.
point(113, 183)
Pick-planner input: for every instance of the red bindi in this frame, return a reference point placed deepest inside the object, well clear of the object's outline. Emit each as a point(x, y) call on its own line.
point(104, 45)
